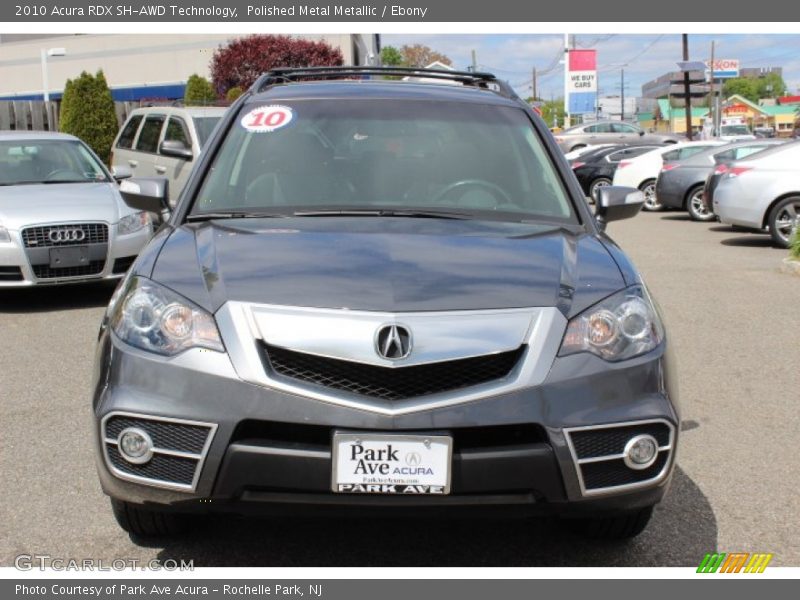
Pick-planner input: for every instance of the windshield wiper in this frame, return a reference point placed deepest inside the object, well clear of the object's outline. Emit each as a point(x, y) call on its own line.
point(210, 216)
point(52, 181)
point(382, 212)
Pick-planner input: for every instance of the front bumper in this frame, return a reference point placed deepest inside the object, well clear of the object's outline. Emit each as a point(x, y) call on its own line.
point(16, 270)
point(270, 448)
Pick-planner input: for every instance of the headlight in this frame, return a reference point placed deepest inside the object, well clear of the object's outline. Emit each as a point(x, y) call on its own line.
point(133, 223)
point(153, 318)
point(620, 327)
point(4, 236)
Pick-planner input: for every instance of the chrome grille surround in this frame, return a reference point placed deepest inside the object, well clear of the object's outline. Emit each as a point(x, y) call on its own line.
point(170, 468)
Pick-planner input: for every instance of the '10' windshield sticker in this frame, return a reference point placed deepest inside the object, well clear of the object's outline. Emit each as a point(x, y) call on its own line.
point(267, 118)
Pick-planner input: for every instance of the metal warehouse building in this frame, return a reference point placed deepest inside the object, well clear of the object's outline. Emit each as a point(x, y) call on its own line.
point(136, 66)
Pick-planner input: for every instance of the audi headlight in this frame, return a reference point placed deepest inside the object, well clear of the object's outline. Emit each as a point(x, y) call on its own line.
point(153, 318)
point(133, 223)
point(620, 327)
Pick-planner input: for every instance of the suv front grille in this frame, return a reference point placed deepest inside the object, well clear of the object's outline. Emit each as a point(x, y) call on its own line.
point(390, 383)
point(39, 237)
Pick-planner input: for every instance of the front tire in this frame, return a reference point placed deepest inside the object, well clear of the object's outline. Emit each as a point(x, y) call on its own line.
point(696, 205)
point(597, 184)
point(651, 203)
point(783, 218)
point(618, 527)
point(145, 522)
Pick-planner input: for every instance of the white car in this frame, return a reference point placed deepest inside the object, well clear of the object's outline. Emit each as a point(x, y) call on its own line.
point(762, 192)
point(62, 219)
point(641, 172)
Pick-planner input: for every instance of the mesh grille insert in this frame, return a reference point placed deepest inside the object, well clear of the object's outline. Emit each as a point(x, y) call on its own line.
point(614, 472)
point(95, 267)
point(165, 435)
point(388, 383)
point(607, 442)
point(172, 469)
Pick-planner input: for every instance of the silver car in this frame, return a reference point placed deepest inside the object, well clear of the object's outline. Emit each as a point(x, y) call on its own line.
point(609, 132)
point(62, 219)
point(762, 192)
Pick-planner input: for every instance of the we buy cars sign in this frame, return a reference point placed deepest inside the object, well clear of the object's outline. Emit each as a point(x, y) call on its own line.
point(582, 81)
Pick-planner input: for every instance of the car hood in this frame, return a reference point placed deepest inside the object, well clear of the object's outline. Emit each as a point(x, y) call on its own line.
point(22, 205)
point(386, 264)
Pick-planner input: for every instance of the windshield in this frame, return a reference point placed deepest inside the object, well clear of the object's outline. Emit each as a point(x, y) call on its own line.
point(735, 130)
point(47, 161)
point(204, 126)
point(384, 155)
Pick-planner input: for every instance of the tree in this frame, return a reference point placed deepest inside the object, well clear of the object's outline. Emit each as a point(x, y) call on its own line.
point(771, 86)
point(741, 86)
point(391, 57)
point(199, 92)
point(420, 55)
point(241, 61)
point(87, 112)
point(552, 110)
point(232, 94)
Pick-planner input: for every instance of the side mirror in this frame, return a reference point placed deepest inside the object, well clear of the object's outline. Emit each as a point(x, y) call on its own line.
point(614, 203)
point(176, 148)
point(121, 172)
point(641, 132)
point(145, 193)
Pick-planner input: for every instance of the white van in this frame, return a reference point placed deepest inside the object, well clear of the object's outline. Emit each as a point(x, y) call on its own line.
point(163, 141)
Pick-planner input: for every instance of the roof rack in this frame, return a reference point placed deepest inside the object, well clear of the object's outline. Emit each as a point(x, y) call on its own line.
point(287, 75)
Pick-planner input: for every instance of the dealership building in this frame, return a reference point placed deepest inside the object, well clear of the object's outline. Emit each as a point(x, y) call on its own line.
point(137, 66)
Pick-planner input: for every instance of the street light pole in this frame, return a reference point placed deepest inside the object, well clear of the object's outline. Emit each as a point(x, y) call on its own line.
point(45, 82)
point(687, 89)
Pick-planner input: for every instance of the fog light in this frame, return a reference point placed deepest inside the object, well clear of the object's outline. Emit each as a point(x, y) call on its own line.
point(640, 452)
point(135, 445)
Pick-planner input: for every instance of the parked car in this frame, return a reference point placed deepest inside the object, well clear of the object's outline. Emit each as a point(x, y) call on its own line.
point(735, 132)
point(570, 156)
point(609, 132)
point(384, 293)
point(62, 219)
point(681, 183)
point(641, 172)
point(596, 169)
point(762, 191)
point(164, 141)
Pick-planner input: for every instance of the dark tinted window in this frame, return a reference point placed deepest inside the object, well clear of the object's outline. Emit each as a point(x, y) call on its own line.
point(204, 126)
point(176, 132)
point(129, 132)
point(623, 128)
point(367, 154)
point(151, 130)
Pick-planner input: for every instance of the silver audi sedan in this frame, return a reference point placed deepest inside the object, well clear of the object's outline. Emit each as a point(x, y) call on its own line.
point(62, 219)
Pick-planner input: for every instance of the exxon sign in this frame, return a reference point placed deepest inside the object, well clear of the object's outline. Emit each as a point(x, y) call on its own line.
point(724, 68)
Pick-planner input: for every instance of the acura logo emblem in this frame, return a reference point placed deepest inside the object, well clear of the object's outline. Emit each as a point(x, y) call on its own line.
point(66, 235)
point(393, 342)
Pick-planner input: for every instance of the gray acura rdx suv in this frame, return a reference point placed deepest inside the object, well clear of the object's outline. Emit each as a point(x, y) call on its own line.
point(386, 294)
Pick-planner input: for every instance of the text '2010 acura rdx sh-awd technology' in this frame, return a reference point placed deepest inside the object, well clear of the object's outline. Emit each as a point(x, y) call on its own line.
point(386, 294)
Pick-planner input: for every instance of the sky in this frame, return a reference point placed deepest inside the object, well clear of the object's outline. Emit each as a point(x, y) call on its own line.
point(643, 57)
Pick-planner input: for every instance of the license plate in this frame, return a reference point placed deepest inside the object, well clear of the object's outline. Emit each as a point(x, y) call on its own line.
point(73, 256)
point(378, 463)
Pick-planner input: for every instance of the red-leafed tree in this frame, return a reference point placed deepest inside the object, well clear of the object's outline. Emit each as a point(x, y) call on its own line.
point(241, 61)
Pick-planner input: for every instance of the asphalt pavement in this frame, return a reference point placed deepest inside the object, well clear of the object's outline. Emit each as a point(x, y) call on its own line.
point(732, 316)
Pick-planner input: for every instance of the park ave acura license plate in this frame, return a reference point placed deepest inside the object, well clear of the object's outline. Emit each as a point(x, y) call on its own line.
point(386, 463)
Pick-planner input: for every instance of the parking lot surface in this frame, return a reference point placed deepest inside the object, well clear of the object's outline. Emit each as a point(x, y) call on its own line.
point(732, 318)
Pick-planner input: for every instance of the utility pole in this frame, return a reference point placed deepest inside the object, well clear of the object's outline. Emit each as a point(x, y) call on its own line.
point(711, 102)
point(566, 80)
point(687, 88)
point(534, 85)
point(622, 94)
point(474, 62)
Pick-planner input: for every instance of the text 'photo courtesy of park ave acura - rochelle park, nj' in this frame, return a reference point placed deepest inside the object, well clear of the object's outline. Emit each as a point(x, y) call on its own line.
point(387, 299)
